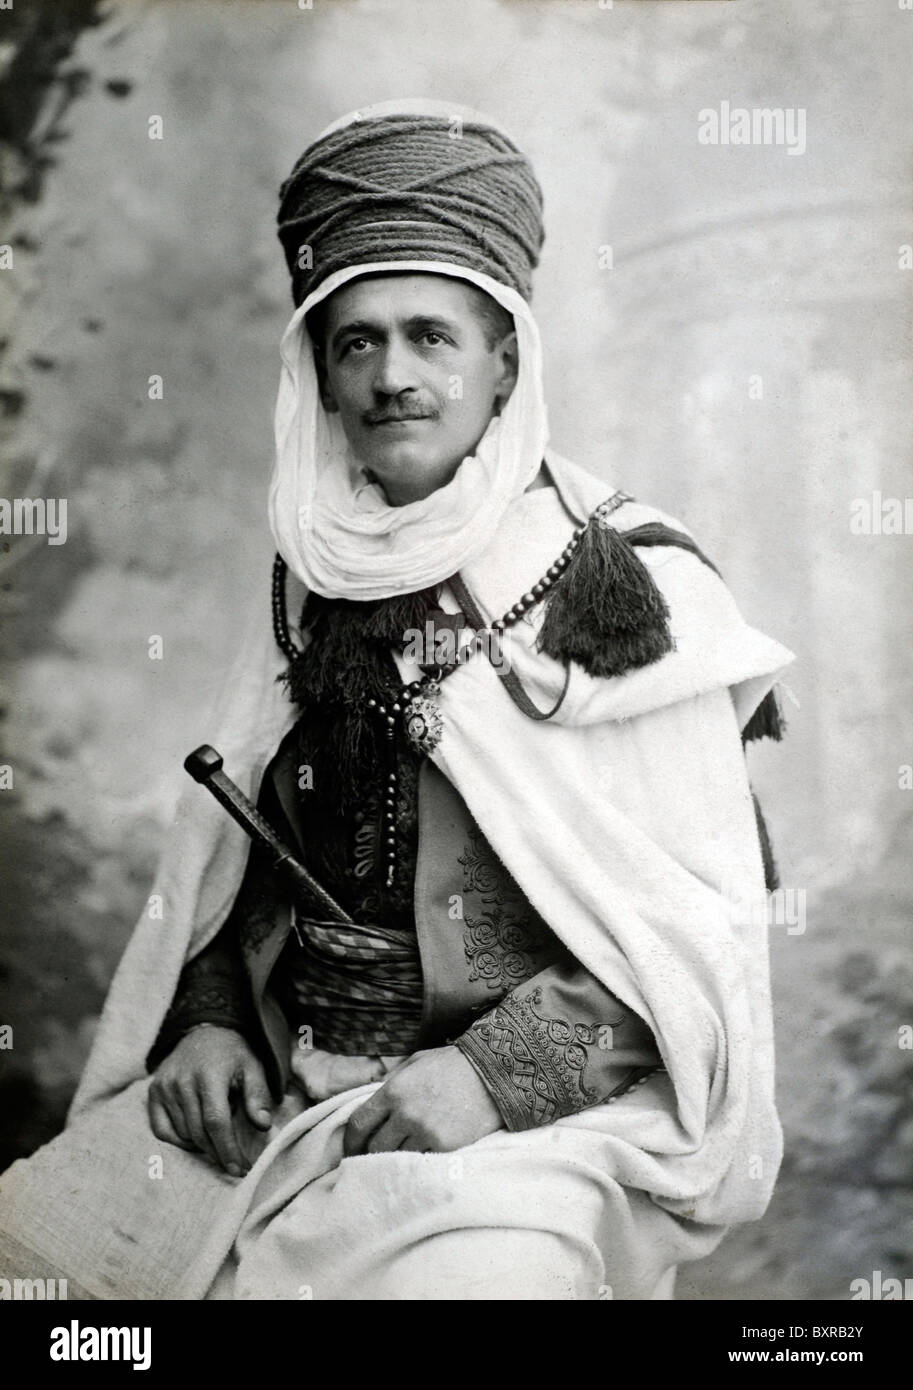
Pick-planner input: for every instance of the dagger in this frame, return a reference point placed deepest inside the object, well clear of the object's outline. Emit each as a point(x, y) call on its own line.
point(205, 766)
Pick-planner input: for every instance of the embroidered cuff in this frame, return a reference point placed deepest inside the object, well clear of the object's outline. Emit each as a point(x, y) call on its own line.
point(538, 1066)
point(212, 989)
point(531, 1078)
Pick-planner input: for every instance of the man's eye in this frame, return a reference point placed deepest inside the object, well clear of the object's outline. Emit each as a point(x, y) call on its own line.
point(358, 346)
point(433, 338)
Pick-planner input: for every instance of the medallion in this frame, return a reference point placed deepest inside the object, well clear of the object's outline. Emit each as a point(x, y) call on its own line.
point(422, 722)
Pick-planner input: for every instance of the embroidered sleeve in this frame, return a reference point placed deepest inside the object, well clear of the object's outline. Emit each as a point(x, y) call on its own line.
point(557, 1044)
point(213, 988)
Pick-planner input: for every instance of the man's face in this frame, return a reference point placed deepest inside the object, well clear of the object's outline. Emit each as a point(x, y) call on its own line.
point(408, 364)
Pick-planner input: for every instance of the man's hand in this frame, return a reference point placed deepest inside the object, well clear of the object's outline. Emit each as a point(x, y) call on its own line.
point(435, 1102)
point(191, 1096)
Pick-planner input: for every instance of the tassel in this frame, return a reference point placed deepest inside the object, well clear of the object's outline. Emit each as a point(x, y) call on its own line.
point(341, 750)
point(346, 661)
point(605, 612)
point(771, 873)
point(767, 720)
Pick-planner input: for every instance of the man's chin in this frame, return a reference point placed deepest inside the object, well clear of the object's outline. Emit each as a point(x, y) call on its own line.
point(408, 480)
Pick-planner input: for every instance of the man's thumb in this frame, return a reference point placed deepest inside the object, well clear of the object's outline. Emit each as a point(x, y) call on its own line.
point(256, 1096)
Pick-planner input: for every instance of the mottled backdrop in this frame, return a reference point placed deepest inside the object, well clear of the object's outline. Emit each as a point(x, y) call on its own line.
point(727, 333)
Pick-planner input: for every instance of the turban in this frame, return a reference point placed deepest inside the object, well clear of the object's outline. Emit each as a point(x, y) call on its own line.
point(411, 187)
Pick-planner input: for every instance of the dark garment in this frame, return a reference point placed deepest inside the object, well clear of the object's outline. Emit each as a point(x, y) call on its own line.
point(343, 852)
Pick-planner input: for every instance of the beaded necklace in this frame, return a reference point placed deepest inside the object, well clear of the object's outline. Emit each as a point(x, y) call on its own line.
point(415, 704)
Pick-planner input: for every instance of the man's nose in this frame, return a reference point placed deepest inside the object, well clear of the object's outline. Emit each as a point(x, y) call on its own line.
point(395, 370)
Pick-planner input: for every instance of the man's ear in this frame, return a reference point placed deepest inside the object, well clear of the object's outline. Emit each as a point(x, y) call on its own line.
point(327, 399)
point(508, 356)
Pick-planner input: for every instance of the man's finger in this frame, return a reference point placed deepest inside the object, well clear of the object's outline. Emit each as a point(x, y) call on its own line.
point(189, 1102)
point(257, 1099)
point(387, 1138)
point(162, 1128)
point(177, 1114)
point(363, 1122)
point(394, 1065)
point(215, 1112)
point(414, 1144)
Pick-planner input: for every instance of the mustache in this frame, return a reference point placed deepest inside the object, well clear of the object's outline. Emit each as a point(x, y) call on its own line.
point(397, 412)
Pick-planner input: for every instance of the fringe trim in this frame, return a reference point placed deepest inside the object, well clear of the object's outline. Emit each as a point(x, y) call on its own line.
point(346, 661)
point(771, 873)
point(767, 721)
point(605, 611)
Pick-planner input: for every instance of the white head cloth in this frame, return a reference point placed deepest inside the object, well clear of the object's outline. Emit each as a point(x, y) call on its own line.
point(334, 527)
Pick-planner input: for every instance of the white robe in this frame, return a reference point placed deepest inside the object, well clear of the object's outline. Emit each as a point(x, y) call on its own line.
point(628, 823)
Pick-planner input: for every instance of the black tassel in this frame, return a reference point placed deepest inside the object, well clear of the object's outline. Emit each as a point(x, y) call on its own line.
point(771, 873)
point(605, 612)
point(346, 661)
point(767, 720)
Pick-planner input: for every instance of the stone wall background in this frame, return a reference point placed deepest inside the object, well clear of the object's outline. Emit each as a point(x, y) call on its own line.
point(133, 256)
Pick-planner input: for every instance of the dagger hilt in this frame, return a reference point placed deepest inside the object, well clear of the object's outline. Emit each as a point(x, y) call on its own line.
point(205, 766)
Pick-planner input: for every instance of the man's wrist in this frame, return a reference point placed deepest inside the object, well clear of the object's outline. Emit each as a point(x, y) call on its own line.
point(503, 1096)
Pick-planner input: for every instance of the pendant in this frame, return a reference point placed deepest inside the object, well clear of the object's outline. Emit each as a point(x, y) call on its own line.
point(423, 723)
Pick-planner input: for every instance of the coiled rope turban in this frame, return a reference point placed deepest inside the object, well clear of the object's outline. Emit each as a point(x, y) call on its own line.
point(411, 187)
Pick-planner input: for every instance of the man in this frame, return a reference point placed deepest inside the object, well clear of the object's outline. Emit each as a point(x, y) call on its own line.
point(529, 1055)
